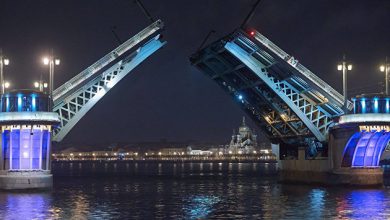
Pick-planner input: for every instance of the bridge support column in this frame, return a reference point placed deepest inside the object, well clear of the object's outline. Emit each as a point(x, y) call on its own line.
point(25, 139)
point(330, 170)
point(349, 175)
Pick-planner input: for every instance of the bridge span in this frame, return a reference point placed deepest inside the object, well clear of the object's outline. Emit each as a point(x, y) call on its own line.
point(297, 110)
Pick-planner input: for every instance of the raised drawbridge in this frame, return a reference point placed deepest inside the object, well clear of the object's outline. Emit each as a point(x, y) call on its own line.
point(287, 101)
point(76, 97)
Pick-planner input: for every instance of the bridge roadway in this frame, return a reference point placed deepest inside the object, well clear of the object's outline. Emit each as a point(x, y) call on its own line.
point(289, 102)
point(76, 97)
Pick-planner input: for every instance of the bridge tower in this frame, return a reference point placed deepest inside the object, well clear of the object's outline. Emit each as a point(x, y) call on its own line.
point(358, 140)
point(26, 124)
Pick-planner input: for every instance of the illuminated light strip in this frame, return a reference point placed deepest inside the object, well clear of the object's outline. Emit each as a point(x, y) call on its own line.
point(29, 116)
point(370, 117)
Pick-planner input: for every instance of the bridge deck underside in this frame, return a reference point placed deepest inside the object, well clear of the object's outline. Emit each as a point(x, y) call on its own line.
point(283, 105)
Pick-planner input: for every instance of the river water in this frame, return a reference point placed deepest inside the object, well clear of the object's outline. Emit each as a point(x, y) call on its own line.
point(121, 190)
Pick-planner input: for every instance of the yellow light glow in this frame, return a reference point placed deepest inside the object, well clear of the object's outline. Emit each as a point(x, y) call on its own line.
point(45, 61)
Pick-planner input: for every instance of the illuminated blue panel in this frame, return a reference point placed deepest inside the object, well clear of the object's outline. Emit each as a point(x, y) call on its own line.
point(7, 104)
point(33, 102)
point(25, 149)
point(19, 103)
point(363, 103)
point(364, 149)
point(15, 148)
point(375, 105)
point(358, 158)
point(380, 147)
point(370, 149)
point(6, 149)
point(387, 106)
point(25, 153)
point(349, 150)
point(36, 148)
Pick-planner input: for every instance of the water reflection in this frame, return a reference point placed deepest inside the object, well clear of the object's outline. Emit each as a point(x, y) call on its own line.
point(364, 204)
point(27, 205)
point(199, 207)
point(177, 191)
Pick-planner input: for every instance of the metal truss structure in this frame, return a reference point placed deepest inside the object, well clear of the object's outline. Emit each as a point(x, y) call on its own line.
point(76, 97)
point(289, 102)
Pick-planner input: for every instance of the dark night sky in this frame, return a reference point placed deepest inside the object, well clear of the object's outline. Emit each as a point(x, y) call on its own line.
point(166, 97)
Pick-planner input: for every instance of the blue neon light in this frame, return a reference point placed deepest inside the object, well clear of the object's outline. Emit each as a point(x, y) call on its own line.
point(364, 149)
point(33, 103)
point(19, 102)
point(240, 97)
point(25, 148)
point(363, 103)
point(387, 106)
point(7, 104)
point(376, 105)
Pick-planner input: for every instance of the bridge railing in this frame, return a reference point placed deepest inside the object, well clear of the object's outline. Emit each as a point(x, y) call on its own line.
point(302, 69)
point(104, 61)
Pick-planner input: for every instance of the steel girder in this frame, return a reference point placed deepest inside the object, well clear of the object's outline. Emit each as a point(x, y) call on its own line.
point(74, 105)
point(273, 92)
point(265, 108)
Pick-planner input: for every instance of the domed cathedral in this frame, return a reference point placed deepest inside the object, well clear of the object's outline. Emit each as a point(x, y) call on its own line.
point(244, 142)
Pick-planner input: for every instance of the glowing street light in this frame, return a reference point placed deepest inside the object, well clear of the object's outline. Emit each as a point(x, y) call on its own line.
point(40, 85)
point(385, 68)
point(51, 62)
point(6, 84)
point(3, 62)
point(345, 67)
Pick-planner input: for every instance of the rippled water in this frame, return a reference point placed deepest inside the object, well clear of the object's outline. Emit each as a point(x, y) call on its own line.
point(188, 191)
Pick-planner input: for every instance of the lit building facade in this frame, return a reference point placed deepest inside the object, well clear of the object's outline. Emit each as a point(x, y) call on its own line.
point(244, 142)
point(26, 125)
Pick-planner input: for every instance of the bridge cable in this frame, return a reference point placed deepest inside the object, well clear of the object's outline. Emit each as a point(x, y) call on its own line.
point(250, 15)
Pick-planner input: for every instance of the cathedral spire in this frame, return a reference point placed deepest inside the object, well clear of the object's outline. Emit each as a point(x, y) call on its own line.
point(243, 121)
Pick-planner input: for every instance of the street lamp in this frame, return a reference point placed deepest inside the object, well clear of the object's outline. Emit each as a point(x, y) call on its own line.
point(40, 85)
point(385, 68)
point(345, 67)
point(51, 62)
point(3, 62)
point(6, 84)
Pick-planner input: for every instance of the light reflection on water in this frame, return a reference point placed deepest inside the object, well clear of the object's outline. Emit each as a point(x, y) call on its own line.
point(166, 191)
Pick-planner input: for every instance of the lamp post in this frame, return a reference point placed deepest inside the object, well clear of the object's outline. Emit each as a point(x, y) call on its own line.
point(51, 62)
point(345, 67)
point(40, 85)
point(385, 68)
point(3, 62)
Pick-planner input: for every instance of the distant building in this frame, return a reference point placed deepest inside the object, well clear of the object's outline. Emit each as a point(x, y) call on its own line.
point(172, 151)
point(244, 142)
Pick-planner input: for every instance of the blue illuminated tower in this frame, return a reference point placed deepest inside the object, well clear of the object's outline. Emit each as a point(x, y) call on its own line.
point(26, 127)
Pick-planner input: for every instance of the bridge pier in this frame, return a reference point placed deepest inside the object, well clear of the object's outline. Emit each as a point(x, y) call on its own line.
point(26, 125)
point(329, 170)
point(355, 146)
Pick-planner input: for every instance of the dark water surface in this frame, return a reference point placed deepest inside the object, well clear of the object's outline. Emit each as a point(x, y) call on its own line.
point(188, 191)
